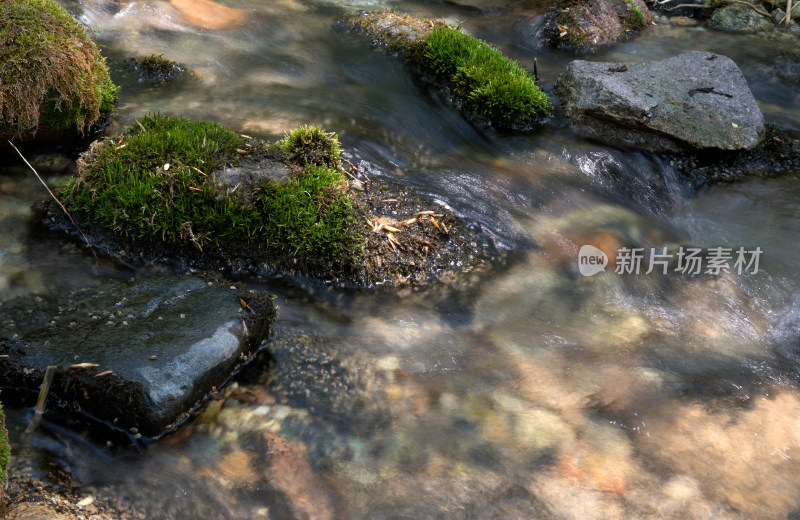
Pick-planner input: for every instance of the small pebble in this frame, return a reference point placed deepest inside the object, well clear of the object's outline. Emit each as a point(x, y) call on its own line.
point(153, 357)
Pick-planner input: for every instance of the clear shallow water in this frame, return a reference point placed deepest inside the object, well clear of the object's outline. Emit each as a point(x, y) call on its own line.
point(535, 394)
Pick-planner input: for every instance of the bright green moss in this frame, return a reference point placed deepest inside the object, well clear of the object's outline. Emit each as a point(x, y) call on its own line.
point(634, 20)
point(310, 213)
point(159, 183)
point(489, 85)
point(51, 72)
point(312, 145)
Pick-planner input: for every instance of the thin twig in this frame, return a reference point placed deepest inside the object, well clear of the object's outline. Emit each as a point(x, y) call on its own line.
point(353, 166)
point(349, 174)
point(55, 199)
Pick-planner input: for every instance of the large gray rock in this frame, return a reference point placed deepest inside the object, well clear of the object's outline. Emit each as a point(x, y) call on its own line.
point(696, 100)
point(167, 341)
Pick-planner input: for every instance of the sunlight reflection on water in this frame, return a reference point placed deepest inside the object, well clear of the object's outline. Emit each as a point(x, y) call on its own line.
point(534, 393)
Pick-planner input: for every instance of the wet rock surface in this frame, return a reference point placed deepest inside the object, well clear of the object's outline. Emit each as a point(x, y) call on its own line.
point(395, 31)
point(586, 26)
point(697, 100)
point(42, 490)
point(134, 355)
point(409, 240)
point(777, 154)
point(154, 68)
point(739, 18)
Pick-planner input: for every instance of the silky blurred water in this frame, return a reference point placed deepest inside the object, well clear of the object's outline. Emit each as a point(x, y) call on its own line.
point(533, 393)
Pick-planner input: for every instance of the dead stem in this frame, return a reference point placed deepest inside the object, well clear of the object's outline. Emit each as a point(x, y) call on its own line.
point(55, 199)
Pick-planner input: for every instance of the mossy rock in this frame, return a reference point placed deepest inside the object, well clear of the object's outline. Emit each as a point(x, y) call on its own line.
point(586, 25)
point(154, 68)
point(740, 19)
point(197, 195)
point(490, 88)
point(53, 79)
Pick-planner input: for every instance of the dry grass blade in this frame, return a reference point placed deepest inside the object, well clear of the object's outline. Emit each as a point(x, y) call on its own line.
point(55, 199)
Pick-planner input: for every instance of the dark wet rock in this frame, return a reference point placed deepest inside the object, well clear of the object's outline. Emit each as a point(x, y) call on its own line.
point(777, 154)
point(697, 100)
point(739, 18)
point(787, 67)
point(39, 487)
point(585, 25)
point(155, 68)
point(51, 163)
point(168, 342)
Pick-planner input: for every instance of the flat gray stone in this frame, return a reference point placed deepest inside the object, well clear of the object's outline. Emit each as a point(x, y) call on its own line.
point(169, 341)
point(696, 100)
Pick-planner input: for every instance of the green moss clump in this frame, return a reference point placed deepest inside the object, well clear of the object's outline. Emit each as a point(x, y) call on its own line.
point(312, 145)
point(155, 68)
point(634, 20)
point(51, 72)
point(158, 183)
point(5, 449)
point(490, 86)
point(310, 213)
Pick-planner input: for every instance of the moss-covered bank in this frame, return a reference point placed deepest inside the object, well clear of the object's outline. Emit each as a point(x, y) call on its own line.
point(490, 88)
point(52, 76)
point(194, 194)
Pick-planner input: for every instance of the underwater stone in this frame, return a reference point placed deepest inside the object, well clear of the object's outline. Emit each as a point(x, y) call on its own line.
point(196, 330)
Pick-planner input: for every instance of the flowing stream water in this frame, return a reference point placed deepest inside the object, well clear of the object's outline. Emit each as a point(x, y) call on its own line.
point(535, 393)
